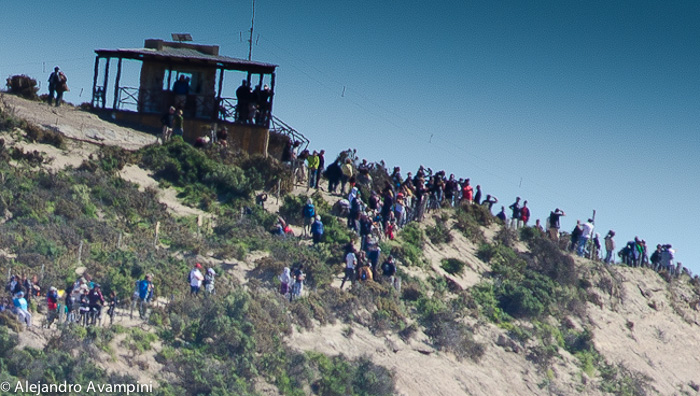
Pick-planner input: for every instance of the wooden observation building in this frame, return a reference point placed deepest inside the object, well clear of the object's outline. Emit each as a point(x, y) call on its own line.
point(204, 103)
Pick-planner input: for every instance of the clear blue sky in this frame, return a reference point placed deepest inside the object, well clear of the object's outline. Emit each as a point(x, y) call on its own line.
point(577, 105)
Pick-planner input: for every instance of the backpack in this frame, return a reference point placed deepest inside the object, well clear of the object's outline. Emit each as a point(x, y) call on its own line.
point(386, 267)
point(309, 211)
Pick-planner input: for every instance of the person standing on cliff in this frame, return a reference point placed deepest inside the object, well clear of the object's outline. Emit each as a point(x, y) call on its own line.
point(57, 84)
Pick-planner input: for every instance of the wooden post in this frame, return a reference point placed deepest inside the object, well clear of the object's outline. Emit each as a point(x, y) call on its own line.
point(279, 190)
point(221, 82)
point(119, 241)
point(116, 84)
point(272, 95)
point(199, 225)
point(94, 79)
point(104, 86)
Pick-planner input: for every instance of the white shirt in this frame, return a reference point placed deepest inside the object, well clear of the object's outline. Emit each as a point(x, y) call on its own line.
point(587, 230)
point(196, 277)
point(350, 260)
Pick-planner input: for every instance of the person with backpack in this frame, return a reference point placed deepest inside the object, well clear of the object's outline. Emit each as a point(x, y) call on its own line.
point(145, 291)
point(298, 286)
point(389, 270)
point(96, 302)
point(22, 309)
point(57, 84)
point(52, 305)
point(195, 279)
point(364, 273)
point(309, 212)
point(317, 230)
point(346, 173)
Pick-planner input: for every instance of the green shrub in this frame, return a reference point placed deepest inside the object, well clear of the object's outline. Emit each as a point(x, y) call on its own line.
point(481, 214)
point(439, 233)
point(187, 167)
point(506, 237)
point(453, 266)
point(413, 235)
point(467, 219)
point(339, 376)
point(292, 210)
point(528, 234)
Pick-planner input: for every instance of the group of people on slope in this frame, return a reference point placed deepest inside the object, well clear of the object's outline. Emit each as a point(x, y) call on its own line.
point(81, 302)
point(197, 280)
point(363, 266)
point(292, 282)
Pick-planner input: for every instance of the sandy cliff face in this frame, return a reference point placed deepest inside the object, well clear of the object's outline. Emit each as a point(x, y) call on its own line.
point(642, 324)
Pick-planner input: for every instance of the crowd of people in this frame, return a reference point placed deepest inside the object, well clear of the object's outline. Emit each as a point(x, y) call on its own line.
point(405, 199)
point(253, 105)
point(80, 303)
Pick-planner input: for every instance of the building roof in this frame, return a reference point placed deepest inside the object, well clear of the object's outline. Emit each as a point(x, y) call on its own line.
point(185, 53)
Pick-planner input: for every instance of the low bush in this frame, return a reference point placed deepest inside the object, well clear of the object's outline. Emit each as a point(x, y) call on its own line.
point(467, 220)
point(439, 233)
point(413, 235)
point(453, 266)
point(24, 86)
point(339, 376)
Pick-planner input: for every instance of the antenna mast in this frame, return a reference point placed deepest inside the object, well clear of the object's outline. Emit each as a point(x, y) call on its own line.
point(250, 41)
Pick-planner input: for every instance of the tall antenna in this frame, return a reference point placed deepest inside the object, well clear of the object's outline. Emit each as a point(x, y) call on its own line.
point(250, 41)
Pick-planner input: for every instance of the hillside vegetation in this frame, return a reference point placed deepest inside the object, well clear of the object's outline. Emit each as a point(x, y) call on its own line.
point(481, 309)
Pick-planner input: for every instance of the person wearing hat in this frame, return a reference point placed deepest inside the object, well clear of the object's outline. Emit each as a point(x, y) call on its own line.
point(196, 279)
point(21, 308)
point(209, 281)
